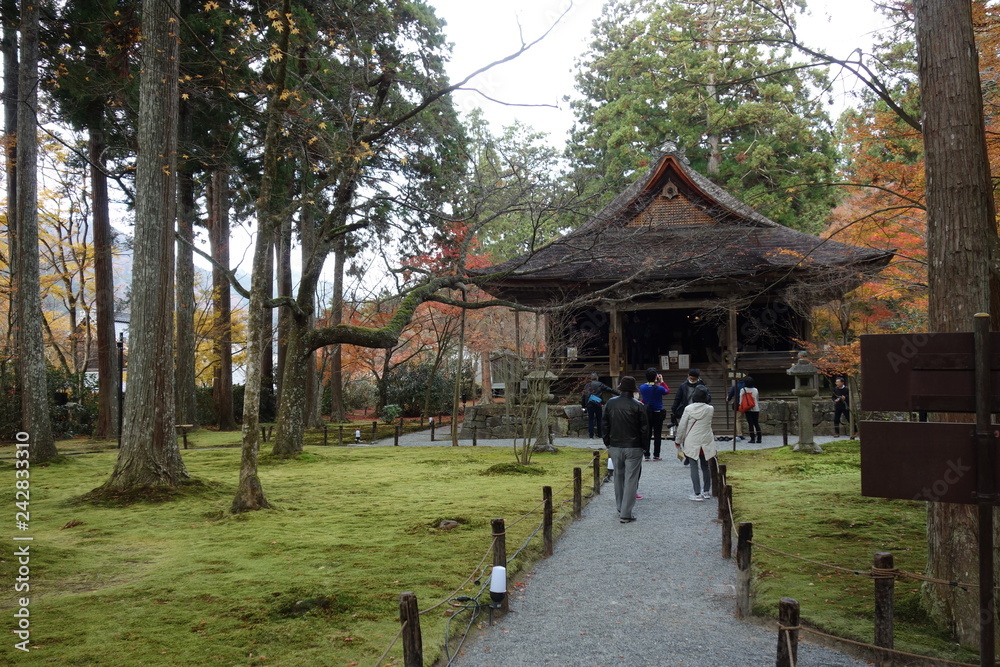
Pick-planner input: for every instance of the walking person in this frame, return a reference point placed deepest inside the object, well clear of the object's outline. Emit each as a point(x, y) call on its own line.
point(752, 413)
point(653, 391)
point(626, 435)
point(733, 397)
point(841, 405)
point(684, 393)
point(696, 439)
point(593, 402)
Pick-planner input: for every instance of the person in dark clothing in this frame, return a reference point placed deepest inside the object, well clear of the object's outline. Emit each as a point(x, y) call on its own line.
point(841, 405)
point(685, 393)
point(593, 402)
point(653, 391)
point(626, 435)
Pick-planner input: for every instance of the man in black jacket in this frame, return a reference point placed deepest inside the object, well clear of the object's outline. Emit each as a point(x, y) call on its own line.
point(626, 432)
point(684, 393)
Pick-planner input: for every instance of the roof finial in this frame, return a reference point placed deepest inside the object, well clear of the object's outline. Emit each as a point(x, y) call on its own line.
point(670, 147)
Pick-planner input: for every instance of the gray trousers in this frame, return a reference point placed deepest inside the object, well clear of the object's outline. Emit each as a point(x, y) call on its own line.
point(628, 465)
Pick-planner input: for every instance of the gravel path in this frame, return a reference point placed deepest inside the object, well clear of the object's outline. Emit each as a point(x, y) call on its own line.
point(650, 593)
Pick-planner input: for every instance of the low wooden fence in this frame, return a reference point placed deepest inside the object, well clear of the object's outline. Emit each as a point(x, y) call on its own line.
point(409, 634)
point(883, 573)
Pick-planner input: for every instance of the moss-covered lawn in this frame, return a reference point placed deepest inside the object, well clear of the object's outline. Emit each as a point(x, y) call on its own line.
point(182, 582)
point(811, 506)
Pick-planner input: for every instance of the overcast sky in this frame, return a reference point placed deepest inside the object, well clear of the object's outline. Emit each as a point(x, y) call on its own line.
point(486, 30)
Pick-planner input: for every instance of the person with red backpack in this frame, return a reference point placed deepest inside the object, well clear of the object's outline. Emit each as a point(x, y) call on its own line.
point(749, 405)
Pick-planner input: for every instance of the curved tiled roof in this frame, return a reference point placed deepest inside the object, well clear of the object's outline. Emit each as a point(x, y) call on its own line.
point(672, 228)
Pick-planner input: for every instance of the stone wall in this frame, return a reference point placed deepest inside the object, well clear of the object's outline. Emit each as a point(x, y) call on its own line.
point(777, 411)
point(501, 421)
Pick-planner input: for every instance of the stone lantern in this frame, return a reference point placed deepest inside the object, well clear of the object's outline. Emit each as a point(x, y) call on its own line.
point(539, 384)
point(806, 387)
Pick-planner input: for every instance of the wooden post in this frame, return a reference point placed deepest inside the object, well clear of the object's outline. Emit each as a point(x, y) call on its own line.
point(341, 435)
point(409, 617)
point(788, 633)
point(784, 434)
point(577, 493)
point(713, 467)
point(326, 428)
point(374, 431)
point(723, 509)
point(432, 428)
point(475, 432)
point(184, 435)
point(547, 521)
point(500, 554)
point(744, 536)
point(395, 440)
point(263, 434)
point(597, 473)
point(885, 593)
point(727, 523)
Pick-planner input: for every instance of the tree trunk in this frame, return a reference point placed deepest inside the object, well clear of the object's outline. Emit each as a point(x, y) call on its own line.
point(337, 411)
point(290, 425)
point(35, 419)
point(267, 391)
point(284, 270)
point(250, 493)
point(104, 285)
point(9, 48)
point(187, 412)
point(222, 301)
point(307, 238)
point(149, 455)
point(961, 228)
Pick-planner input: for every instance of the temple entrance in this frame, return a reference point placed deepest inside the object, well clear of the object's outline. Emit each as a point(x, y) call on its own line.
point(650, 335)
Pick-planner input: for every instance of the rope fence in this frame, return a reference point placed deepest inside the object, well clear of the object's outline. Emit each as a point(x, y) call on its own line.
point(409, 617)
point(882, 572)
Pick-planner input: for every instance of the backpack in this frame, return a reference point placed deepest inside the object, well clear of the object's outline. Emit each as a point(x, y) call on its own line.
point(746, 402)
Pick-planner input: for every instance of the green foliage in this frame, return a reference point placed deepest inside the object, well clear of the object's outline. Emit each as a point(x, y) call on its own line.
point(390, 413)
point(712, 78)
point(408, 384)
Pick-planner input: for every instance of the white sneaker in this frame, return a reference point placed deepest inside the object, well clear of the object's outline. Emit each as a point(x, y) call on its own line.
point(707, 495)
point(696, 498)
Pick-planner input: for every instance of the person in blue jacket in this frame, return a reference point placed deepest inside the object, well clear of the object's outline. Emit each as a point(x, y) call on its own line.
point(653, 391)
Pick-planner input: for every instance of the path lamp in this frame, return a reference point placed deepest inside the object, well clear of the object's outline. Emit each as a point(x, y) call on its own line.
point(806, 383)
point(498, 588)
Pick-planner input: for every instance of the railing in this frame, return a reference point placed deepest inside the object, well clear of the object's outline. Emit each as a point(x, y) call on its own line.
point(409, 615)
point(882, 572)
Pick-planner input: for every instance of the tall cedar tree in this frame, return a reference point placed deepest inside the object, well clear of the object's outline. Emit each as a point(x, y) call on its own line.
point(149, 455)
point(961, 249)
point(35, 418)
point(699, 74)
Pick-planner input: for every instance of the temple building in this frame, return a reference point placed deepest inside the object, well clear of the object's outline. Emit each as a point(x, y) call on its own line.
point(676, 273)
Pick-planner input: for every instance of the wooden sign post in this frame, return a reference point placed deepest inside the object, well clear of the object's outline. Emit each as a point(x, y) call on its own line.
point(936, 462)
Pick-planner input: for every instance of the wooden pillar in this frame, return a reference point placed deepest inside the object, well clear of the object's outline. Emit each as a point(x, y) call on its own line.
point(744, 537)
point(547, 521)
point(885, 593)
point(577, 493)
point(615, 355)
point(788, 632)
point(409, 616)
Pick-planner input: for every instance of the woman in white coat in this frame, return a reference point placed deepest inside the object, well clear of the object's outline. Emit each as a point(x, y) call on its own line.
point(695, 437)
